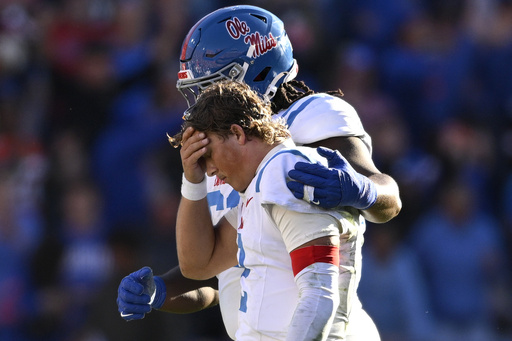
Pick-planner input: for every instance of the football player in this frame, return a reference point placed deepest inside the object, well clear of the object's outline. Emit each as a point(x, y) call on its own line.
point(250, 44)
point(288, 250)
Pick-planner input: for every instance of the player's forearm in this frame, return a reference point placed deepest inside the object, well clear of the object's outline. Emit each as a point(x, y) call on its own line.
point(192, 301)
point(388, 203)
point(186, 295)
point(195, 238)
point(319, 299)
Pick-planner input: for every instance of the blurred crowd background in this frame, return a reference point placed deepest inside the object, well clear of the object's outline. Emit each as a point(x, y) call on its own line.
point(89, 186)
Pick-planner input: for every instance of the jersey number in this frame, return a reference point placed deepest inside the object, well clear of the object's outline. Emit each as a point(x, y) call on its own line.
point(216, 198)
point(245, 274)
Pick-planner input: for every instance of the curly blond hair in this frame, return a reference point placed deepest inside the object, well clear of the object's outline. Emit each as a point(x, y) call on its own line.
point(231, 102)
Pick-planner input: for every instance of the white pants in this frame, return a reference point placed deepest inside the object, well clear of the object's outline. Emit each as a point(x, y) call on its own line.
point(361, 327)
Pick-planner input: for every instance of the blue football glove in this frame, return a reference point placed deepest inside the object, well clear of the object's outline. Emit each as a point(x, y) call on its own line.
point(334, 187)
point(138, 293)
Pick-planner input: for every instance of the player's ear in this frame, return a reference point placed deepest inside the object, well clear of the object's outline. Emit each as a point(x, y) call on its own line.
point(239, 133)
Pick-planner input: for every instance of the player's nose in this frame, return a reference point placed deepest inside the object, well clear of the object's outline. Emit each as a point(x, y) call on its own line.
point(211, 170)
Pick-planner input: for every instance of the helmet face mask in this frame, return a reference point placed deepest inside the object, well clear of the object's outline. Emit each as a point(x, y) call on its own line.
point(243, 43)
point(190, 88)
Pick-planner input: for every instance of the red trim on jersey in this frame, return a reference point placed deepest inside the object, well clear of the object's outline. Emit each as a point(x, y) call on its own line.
point(305, 256)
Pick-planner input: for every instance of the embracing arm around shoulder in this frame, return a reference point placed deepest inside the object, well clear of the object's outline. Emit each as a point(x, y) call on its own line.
point(388, 203)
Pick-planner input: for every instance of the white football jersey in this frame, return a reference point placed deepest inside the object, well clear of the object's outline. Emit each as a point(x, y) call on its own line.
point(321, 116)
point(310, 119)
point(222, 198)
point(269, 292)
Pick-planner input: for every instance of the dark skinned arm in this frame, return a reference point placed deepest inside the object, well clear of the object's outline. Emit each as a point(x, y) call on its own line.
point(388, 203)
point(185, 295)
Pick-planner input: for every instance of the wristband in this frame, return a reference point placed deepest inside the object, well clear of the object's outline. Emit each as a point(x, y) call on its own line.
point(193, 191)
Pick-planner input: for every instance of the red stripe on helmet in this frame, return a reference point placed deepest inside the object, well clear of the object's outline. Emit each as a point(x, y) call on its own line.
point(189, 35)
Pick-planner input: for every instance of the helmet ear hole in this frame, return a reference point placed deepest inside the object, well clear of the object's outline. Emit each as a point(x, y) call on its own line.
point(262, 75)
point(262, 18)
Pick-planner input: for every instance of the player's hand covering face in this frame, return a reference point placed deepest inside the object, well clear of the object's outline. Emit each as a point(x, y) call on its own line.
point(192, 150)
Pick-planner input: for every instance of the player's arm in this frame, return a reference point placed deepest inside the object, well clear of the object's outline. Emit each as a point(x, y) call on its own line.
point(388, 203)
point(346, 183)
point(185, 295)
point(203, 251)
point(140, 292)
point(315, 266)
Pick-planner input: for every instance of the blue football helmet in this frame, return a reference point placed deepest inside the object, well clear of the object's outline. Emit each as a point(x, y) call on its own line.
point(243, 43)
